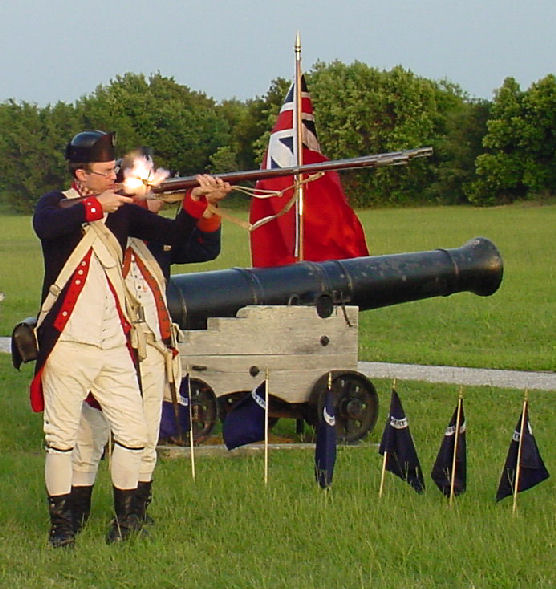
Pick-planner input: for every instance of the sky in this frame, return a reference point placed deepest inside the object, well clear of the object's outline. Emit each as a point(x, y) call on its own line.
point(61, 50)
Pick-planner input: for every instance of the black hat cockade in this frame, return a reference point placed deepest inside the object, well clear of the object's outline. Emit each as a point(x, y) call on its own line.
point(91, 147)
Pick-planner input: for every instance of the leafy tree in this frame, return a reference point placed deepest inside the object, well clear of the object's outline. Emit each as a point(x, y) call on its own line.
point(520, 144)
point(183, 127)
point(245, 124)
point(361, 110)
point(539, 136)
point(500, 170)
point(223, 160)
point(32, 145)
point(456, 148)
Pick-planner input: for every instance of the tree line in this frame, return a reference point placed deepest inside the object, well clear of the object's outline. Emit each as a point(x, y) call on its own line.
point(485, 152)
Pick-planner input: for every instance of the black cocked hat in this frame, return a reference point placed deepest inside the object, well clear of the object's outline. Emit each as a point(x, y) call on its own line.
point(91, 147)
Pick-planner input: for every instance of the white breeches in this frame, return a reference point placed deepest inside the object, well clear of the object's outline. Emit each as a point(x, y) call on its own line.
point(71, 371)
point(94, 430)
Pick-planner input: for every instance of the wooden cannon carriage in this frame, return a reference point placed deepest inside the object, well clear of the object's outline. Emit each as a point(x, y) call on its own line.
point(297, 323)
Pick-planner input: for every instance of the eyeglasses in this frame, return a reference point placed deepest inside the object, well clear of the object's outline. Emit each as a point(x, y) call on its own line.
point(106, 174)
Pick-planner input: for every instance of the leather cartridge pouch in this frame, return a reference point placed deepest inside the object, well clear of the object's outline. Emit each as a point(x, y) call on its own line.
point(24, 342)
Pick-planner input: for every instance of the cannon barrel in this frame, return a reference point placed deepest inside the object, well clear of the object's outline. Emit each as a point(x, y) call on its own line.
point(368, 282)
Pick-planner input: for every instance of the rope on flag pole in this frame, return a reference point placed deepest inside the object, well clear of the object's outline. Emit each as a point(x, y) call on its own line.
point(266, 427)
point(518, 465)
point(190, 403)
point(456, 440)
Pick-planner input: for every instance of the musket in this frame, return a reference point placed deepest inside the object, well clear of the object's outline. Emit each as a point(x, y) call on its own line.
point(394, 158)
point(184, 183)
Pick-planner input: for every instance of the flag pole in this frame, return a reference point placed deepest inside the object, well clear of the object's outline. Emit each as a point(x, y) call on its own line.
point(456, 440)
point(385, 459)
point(266, 428)
point(518, 465)
point(299, 191)
point(382, 474)
point(189, 404)
point(329, 390)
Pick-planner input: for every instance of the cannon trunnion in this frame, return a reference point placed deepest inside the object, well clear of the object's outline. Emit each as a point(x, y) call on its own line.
point(300, 322)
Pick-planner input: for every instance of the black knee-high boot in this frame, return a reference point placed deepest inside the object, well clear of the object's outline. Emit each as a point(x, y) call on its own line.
point(81, 499)
point(143, 498)
point(61, 521)
point(127, 520)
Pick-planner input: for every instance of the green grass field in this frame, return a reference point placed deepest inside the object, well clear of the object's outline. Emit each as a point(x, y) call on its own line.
point(227, 530)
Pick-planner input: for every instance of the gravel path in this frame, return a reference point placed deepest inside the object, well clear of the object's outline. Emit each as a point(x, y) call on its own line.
point(509, 379)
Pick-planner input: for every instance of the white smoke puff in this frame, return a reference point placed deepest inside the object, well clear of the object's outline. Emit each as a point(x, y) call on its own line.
point(141, 176)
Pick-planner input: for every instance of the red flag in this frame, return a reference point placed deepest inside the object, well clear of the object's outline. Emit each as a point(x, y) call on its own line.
point(332, 231)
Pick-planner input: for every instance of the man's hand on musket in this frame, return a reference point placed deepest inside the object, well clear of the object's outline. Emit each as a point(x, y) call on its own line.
point(111, 202)
point(214, 189)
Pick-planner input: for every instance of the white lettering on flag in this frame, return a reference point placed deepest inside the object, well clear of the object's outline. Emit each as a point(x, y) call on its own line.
point(398, 423)
point(258, 399)
point(329, 419)
point(451, 429)
point(517, 434)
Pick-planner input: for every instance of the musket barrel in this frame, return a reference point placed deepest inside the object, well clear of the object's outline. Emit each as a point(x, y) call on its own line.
point(368, 282)
point(367, 161)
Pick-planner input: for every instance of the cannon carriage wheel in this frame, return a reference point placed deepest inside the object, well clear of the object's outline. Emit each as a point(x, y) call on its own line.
point(204, 410)
point(355, 403)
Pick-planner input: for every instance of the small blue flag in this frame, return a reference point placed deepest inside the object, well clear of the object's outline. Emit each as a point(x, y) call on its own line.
point(401, 458)
point(325, 450)
point(441, 472)
point(245, 422)
point(168, 426)
point(532, 468)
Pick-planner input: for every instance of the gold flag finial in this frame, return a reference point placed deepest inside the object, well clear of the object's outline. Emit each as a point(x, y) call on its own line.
point(297, 45)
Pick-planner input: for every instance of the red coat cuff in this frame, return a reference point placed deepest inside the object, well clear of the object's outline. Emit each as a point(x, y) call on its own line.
point(93, 209)
point(209, 225)
point(195, 208)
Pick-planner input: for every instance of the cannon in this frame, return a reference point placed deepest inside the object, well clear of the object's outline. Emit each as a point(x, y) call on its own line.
point(299, 322)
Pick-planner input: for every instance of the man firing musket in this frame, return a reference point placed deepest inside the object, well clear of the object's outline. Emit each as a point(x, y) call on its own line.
point(85, 322)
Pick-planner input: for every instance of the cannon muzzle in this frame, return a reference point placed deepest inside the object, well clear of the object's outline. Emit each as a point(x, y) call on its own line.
point(368, 282)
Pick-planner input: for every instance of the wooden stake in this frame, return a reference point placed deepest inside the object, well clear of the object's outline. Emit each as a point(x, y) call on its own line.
point(518, 465)
point(383, 473)
point(266, 428)
point(190, 404)
point(456, 439)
